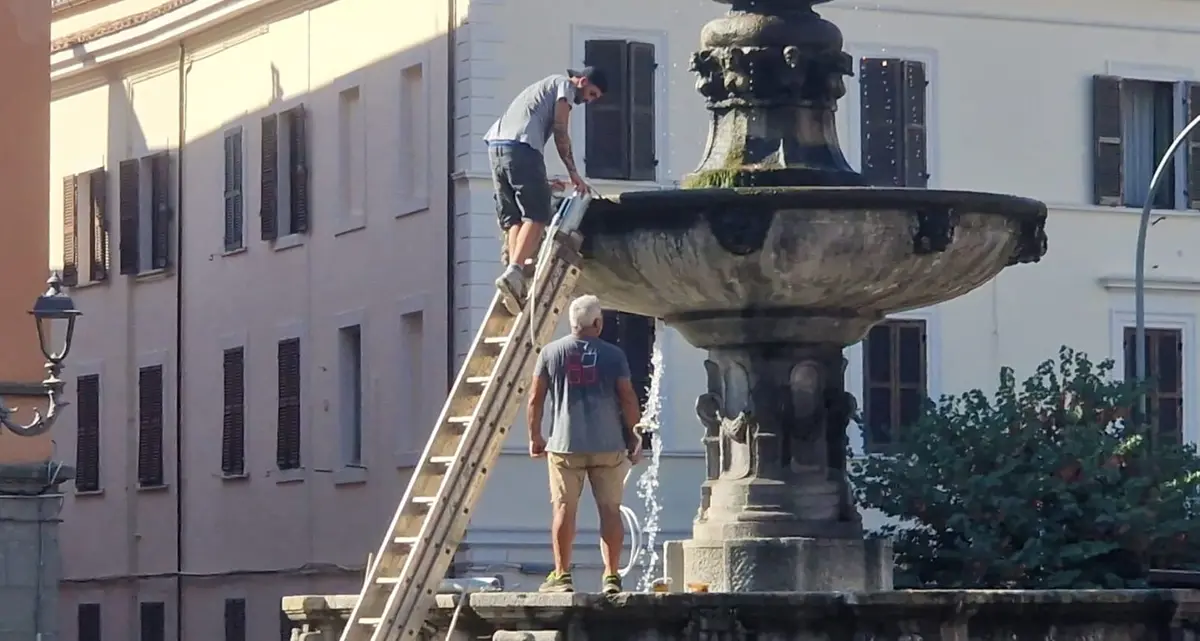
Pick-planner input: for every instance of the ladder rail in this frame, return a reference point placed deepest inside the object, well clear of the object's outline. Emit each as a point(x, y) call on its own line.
point(495, 413)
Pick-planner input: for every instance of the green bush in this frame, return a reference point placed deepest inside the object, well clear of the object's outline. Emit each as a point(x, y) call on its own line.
point(1047, 485)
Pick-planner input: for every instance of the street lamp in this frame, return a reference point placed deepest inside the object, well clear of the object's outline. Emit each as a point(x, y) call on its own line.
point(50, 311)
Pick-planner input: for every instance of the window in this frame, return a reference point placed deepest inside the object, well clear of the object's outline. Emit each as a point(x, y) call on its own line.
point(284, 181)
point(233, 427)
point(414, 139)
point(634, 334)
point(352, 154)
point(412, 381)
point(895, 381)
point(350, 374)
point(235, 219)
point(1164, 365)
point(153, 621)
point(150, 427)
point(287, 447)
point(88, 617)
point(1133, 123)
point(145, 212)
point(235, 620)
point(619, 139)
point(85, 242)
point(893, 122)
point(87, 433)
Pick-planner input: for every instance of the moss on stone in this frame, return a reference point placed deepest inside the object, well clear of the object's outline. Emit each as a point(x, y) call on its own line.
point(715, 179)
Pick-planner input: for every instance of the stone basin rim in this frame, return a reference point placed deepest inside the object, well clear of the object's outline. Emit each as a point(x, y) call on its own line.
point(665, 208)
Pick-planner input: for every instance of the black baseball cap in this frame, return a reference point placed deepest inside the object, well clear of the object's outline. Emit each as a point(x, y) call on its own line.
point(594, 76)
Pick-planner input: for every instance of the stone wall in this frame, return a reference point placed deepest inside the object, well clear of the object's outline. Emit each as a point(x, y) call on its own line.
point(30, 566)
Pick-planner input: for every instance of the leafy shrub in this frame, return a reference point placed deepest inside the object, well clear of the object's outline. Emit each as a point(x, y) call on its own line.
point(1047, 485)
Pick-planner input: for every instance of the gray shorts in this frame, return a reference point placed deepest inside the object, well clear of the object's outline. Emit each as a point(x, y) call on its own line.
point(522, 189)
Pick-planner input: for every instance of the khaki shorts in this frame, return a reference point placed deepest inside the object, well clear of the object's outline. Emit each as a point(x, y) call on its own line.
point(605, 472)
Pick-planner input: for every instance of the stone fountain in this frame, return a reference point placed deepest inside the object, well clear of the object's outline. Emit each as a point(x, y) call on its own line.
point(773, 258)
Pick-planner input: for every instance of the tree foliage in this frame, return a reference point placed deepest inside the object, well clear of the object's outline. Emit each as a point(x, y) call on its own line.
point(1050, 484)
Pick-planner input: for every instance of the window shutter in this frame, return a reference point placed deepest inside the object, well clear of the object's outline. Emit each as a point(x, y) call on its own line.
point(88, 618)
point(606, 135)
point(1108, 182)
point(70, 272)
point(235, 620)
point(298, 166)
point(880, 87)
point(130, 207)
point(87, 433)
point(287, 450)
point(153, 621)
point(98, 219)
point(160, 214)
point(643, 164)
point(234, 223)
point(913, 119)
point(233, 430)
point(150, 427)
point(1193, 147)
point(268, 213)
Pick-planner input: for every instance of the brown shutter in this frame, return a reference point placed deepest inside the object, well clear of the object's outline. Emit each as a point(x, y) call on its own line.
point(643, 165)
point(87, 433)
point(235, 620)
point(1193, 147)
point(268, 212)
point(234, 219)
point(233, 430)
point(1108, 180)
point(287, 447)
point(160, 213)
point(88, 622)
point(298, 166)
point(606, 136)
point(150, 427)
point(130, 206)
point(70, 272)
point(98, 219)
point(913, 119)
point(881, 85)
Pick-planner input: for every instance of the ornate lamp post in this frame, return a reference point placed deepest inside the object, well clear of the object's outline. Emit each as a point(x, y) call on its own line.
point(51, 310)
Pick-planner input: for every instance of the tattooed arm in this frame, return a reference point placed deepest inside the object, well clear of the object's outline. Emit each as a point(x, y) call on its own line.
point(562, 136)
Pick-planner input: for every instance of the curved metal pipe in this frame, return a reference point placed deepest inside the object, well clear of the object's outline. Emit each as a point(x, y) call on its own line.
point(1139, 275)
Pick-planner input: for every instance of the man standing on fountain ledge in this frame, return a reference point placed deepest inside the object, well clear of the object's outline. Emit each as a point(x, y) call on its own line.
point(515, 144)
point(594, 417)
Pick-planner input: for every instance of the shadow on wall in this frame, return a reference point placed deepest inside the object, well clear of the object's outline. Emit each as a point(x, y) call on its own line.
point(205, 538)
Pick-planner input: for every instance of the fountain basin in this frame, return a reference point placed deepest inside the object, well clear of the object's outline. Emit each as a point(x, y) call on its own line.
point(799, 264)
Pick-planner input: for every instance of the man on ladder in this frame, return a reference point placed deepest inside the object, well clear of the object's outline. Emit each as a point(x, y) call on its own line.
point(515, 142)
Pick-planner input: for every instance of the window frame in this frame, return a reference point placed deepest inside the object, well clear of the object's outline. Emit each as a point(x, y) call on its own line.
point(1120, 318)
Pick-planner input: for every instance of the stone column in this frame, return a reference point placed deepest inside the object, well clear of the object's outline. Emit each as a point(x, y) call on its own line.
point(318, 617)
point(30, 566)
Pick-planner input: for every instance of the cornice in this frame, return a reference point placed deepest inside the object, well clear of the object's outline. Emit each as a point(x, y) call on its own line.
point(113, 26)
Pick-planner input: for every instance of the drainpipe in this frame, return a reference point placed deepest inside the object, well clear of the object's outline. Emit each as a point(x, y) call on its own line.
point(184, 68)
point(451, 118)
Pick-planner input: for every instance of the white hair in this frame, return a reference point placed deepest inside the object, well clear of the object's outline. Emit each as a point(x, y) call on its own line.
point(584, 312)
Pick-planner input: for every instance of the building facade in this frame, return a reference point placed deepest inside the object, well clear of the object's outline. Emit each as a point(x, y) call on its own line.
point(280, 220)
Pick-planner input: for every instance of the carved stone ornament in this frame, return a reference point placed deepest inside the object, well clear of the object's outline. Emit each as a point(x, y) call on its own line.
point(749, 76)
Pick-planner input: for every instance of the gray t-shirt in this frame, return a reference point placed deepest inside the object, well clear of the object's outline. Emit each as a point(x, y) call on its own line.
point(530, 116)
point(585, 413)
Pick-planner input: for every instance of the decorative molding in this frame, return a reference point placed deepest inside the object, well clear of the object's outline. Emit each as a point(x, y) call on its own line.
point(1156, 283)
point(113, 26)
point(973, 14)
point(16, 388)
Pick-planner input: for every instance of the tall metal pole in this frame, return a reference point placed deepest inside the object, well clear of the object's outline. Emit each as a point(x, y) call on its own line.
point(1139, 276)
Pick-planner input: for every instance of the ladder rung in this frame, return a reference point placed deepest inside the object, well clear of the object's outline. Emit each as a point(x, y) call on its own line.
point(495, 340)
point(424, 502)
point(407, 541)
point(387, 580)
point(441, 460)
point(478, 380)
point(459, 420)
point(370, 621)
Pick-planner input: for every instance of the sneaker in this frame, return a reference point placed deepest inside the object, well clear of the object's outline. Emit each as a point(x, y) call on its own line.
point(512, 286)
point(558, 582)
point(611, 584)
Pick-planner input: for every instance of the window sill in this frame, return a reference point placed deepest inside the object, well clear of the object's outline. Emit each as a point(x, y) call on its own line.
point(153, 488)
point(235, 477)
point(411, 205)
point(152, 275)
point(234, 252)
point(350, 475)
point(283, 477)
point(89, 493)
point(1129, 211)
point(88, 285)
point(288, 242)
point(405, 460)
point(349, 224)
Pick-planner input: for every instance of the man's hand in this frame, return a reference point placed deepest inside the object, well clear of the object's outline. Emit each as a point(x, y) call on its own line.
point(537, 446)
point(635, 451)
point(558, 185)
point(580, 185)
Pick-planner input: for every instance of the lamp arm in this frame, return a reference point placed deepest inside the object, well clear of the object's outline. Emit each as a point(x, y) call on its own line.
point(38, 425)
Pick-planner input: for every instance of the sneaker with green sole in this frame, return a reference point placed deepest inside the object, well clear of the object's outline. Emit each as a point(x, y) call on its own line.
point(611, 584)
point(558, 582)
